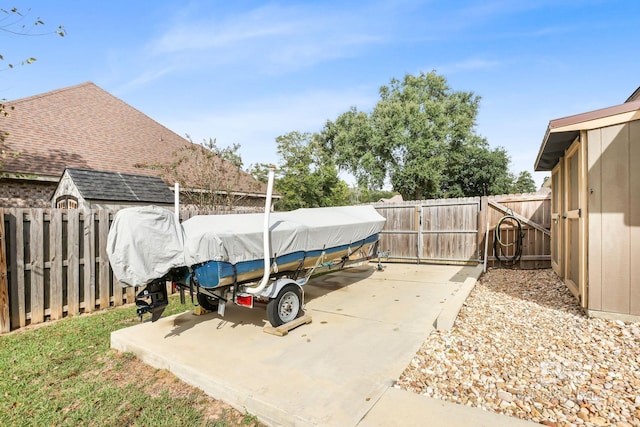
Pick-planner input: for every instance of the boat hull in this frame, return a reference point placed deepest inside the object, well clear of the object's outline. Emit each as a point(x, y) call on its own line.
point(213, 274)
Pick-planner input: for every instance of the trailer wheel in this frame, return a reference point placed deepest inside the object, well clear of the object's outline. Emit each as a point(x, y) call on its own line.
point(286, 306)
point(208, 303)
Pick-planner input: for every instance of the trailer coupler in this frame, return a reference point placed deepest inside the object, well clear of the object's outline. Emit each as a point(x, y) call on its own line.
point(156, 292)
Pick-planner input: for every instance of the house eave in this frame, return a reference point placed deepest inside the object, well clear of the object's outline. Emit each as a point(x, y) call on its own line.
point(29, 177)
point(552, 149)
point(561, 133)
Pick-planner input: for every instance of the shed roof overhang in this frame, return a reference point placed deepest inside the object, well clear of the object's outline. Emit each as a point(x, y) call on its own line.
point(562, 132)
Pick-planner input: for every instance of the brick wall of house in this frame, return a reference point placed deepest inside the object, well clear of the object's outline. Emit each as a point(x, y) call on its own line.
point(17, 193)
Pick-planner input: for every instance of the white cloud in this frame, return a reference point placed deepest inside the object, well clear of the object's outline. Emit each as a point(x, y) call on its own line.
point(270, 40)
point(205, 34)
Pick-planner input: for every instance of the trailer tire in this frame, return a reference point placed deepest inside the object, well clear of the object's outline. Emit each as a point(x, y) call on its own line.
point(208, 303)
point(286, 306)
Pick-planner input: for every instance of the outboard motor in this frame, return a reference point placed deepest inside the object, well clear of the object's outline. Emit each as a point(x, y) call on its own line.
point(152, 299)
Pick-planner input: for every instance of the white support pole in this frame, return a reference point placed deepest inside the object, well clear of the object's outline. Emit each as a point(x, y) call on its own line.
point(265, 236)
point(176, 200)
point(176, 210)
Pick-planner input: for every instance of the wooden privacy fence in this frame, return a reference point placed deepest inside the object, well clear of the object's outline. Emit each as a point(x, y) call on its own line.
point(53, 262)
point(453, 231)
point(442, 230)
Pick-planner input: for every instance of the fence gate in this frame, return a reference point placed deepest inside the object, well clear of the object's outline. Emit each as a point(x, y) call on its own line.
point(433, 231)
point(533, 210)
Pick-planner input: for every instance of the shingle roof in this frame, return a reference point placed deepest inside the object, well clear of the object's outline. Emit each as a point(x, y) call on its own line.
point(635, 96)
point(84, 126)
point(116, 186)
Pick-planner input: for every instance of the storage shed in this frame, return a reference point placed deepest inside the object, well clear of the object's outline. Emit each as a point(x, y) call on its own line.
point(91, 189)
point(594, 159)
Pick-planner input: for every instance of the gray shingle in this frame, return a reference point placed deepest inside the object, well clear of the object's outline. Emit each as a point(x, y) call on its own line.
point(116, 186)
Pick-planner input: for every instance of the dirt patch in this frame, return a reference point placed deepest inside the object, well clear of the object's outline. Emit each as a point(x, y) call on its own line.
point(120, 367)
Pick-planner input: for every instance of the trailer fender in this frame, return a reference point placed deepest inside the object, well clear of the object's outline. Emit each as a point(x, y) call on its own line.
point(274, 288)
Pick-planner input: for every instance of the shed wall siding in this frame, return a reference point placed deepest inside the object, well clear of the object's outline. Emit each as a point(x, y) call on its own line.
point(594, 149)
point(614, 207)
point(634, 214)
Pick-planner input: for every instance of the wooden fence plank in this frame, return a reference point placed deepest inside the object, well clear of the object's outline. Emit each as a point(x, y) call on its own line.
point(130, 294)
point(36, 250)
point(19, 285)
point(102, 260)
point(5, 319)
point(483, 226)
point(117, 289)
point(55, 258)
point(73, 261)
point(118, 293)
point(89, 258)
point(14, 296)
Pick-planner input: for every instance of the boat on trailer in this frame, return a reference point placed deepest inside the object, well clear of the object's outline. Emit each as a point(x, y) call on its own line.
point(245, 259)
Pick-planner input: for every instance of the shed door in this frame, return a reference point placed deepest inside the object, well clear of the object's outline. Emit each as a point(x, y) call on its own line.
point(557, 222)
point(572, 215)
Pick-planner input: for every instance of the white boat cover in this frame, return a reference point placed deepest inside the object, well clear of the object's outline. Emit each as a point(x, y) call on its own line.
point(144, 243)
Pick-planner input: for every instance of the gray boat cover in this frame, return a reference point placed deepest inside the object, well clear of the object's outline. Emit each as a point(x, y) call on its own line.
point(144, 243)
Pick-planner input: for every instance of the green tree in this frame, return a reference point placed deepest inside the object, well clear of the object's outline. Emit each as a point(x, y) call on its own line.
point(420, 137)
point(365, 195)
point(306, 176)
point(545, 179)
point(524, 183)
point(476, 170)
point(260, 171)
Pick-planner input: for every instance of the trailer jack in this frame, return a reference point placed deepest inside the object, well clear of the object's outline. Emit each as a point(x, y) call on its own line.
point(157, 292)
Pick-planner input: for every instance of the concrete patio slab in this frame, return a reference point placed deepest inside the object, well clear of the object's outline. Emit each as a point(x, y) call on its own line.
point(403, 408)
point(366, 327)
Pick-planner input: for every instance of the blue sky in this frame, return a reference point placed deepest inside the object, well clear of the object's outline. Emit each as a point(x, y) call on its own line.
point(248, 71)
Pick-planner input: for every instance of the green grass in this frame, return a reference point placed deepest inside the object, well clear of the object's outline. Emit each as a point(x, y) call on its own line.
point(65, 373)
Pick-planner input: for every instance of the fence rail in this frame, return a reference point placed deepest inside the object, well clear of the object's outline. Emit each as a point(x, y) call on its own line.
point(53, 262)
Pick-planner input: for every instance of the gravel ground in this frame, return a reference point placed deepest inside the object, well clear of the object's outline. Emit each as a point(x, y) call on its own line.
point(522, 346)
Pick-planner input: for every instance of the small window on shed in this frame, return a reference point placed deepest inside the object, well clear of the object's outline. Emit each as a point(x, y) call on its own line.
point(67, 202)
